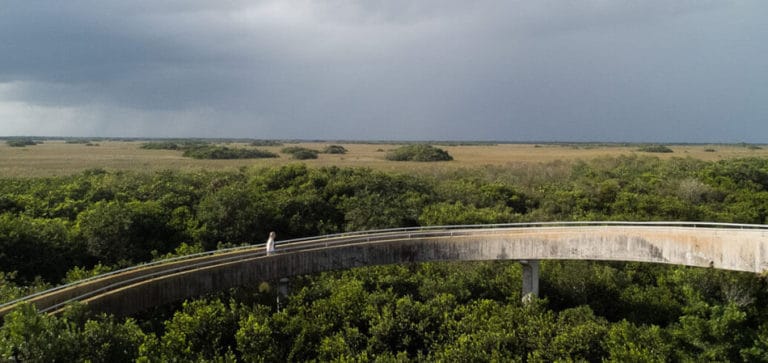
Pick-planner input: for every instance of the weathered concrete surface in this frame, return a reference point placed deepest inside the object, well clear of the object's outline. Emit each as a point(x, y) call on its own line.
point(61, 295)
point(729, 249)
point(530, 279)
point(739, 250)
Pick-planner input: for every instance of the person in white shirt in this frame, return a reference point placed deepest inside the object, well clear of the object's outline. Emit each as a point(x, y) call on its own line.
point(271, 243)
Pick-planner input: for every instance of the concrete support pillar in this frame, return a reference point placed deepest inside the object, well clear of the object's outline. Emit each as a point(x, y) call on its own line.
point(282, 288)
point(282, 291)
point(530, 279)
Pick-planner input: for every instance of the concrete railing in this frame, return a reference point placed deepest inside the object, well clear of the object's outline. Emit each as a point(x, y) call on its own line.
point(724, 246)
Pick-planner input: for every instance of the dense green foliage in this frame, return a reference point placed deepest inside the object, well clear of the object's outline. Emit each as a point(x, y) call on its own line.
point(434, 312)
point(64, 228)
point(655, 149)
point(49, 225)
point(223, 152)
point(418, 152)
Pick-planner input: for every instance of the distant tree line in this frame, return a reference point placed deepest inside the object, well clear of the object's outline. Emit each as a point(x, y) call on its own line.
point(169, 145)
point(202, 150)
point(21, 142)
point(266, 143)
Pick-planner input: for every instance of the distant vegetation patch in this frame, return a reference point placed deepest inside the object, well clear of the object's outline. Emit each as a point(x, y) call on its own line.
point(172, 145)
point(305, 154)
point(749, 146)
point(300, 153)
point(590, 145)
point(77, 141)
point(293, 149)
point(419, 152)
point(266, 143)
point(464, 143)
point(709, 150)
point(655, 149)
point(22, 142)
point(335, 149)
point(223, 152)
point(165, 145)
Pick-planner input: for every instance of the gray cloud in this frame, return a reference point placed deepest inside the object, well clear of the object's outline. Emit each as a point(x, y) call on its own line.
point(518, 70)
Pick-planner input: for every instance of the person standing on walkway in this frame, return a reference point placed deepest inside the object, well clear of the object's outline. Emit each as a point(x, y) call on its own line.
point(271, 243)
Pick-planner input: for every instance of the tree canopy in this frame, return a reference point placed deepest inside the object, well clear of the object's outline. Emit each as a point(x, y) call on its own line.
point(418, 152)
point(60, 229)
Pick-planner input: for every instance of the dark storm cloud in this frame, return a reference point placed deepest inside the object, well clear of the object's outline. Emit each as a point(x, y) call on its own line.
point(503, 70)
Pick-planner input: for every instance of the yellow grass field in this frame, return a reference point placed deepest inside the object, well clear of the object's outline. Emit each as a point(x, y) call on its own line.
point(59, 158)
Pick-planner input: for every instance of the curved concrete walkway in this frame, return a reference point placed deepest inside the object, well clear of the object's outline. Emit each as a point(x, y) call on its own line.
point(721, 246)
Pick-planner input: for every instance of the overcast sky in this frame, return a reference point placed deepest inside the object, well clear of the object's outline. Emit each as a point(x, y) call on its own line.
point(528, 70)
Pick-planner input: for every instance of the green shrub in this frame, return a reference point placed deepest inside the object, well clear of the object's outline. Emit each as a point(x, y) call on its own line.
point(292, 149)
point(300, 153)
point(304, 154)
point(335, 149)
point(419, 152)
point(655, 149)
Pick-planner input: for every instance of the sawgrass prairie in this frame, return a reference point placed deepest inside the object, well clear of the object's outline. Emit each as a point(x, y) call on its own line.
point(56, 157)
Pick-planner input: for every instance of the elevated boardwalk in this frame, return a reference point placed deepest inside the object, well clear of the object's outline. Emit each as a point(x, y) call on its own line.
point(721, 246)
